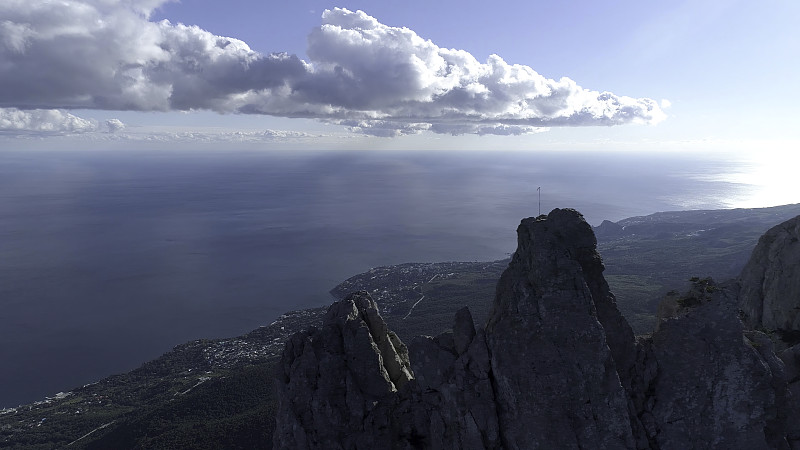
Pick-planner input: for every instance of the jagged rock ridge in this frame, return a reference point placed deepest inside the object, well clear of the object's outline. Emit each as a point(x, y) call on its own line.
point(555, 367)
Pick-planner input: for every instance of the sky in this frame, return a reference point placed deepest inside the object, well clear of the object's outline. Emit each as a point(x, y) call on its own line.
point(701, 75)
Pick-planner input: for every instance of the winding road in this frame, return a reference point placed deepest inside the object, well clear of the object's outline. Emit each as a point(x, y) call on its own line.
point(420, 299)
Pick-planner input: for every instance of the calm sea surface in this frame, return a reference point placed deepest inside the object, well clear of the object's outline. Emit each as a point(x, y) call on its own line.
point(110, 259)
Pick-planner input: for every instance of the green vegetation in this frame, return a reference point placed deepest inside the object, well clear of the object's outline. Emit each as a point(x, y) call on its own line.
point(637, 298)
point(473, 288)
point(228, 412)
point(203, 394)
point(660, 252)
point(221, 409)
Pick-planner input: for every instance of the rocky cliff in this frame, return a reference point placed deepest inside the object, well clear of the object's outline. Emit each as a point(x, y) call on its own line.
point(550, 350)
point(770, 282)
point(556, 366)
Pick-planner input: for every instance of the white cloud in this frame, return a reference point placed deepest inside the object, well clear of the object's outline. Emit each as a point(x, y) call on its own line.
point(287, 134)
point(375, 79)
point(51, 122)
point(114, 125)
point(205, 136)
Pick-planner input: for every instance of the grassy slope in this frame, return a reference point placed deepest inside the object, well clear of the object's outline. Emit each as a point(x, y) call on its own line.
point(473, 288)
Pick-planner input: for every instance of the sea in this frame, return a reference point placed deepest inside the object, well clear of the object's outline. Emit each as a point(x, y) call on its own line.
point(110, 258)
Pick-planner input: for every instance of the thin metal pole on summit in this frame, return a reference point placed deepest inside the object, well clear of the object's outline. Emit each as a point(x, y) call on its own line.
point(539, 190)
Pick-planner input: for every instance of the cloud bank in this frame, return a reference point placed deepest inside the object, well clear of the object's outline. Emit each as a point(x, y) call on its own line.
point(51, 122)
point(375, 79)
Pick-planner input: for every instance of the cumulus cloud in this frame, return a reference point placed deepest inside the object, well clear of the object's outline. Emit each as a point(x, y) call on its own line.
point(287, 134)
point(213, 137)
point(114, 125)
point(51, 121)
point(372, 78)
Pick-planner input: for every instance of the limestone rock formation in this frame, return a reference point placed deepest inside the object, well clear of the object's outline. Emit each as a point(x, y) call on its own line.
point(713, 389)
point(333, 379)
point(556, 366)
point(770, 281)
point(549, 350)
point(453, 374)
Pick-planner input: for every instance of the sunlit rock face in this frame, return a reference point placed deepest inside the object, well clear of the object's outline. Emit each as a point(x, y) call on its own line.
point(769, 300)
point(716, 386)
point(556, 366)
point(770, 292)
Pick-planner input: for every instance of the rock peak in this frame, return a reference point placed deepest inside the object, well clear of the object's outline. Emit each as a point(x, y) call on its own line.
point(544, 319)
point(556, 366)
point(549, 251)
point(332, 379)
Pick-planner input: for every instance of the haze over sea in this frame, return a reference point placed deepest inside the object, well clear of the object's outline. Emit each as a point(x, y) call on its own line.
point(109, 259)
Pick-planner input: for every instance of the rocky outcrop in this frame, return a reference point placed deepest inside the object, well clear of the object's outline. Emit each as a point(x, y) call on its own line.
point(770, 282)
point(791, 360)
point(556, 366)
point(769, 300)
point(332, 381)
point(452, 404)
point(714, 388)
point(549, 350)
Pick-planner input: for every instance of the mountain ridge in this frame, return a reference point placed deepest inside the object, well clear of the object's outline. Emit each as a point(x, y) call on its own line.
point(556, 366)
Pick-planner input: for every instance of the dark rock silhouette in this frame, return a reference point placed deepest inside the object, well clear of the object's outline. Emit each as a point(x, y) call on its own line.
point(556, 366)
point(549, 350)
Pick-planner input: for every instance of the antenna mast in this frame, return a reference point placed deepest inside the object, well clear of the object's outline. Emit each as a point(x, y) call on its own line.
point(539, 189)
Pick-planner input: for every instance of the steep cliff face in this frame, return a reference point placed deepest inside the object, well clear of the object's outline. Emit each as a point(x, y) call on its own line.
point(556, 366)
point(770, 281)
point(716, 387)
point(769, 300)
point(549, 350)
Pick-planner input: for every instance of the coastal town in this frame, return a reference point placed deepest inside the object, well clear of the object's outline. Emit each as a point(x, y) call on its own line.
point(396, 289)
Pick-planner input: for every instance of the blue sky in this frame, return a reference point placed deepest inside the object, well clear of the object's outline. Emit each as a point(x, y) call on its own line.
point(645, 76)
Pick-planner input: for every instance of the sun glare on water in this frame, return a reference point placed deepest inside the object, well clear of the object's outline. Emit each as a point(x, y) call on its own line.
point(741, 181)
point(768, 181)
